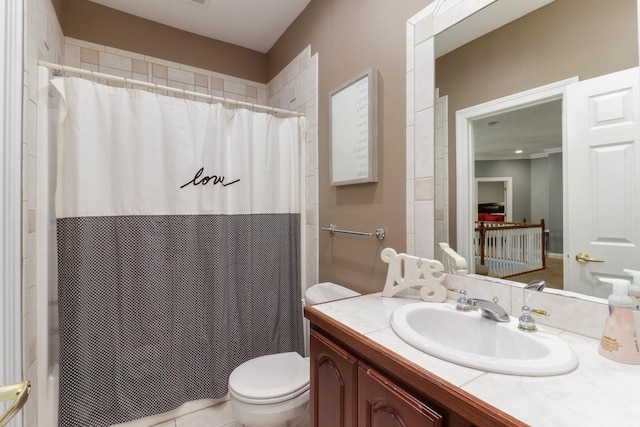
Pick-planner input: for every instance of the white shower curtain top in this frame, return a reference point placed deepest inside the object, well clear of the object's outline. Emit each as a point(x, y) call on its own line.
point(214, 161)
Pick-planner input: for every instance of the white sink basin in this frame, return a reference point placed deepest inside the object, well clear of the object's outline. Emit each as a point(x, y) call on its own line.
point(468, 339)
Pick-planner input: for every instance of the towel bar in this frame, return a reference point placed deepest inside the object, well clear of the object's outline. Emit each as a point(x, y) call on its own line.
point(379, 233)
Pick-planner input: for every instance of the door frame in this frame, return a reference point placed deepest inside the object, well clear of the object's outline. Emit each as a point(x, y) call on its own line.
point(507, 181)
point(11, 73)
point(465, 161)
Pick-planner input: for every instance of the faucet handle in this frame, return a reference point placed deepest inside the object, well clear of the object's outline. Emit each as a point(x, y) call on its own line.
point(463, 302)
point(526, 321)
point(541, 313)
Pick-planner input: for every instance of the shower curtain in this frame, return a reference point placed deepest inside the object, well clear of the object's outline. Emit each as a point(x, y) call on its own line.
point(178, 248)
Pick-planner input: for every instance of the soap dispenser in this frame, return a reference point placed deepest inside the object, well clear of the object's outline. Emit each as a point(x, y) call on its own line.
point(619, 340)
point(634, 288)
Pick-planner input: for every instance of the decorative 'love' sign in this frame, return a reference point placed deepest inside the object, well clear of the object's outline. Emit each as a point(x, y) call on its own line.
point(420, 273)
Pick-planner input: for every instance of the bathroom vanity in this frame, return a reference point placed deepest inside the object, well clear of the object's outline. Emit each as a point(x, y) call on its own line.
point(363, 374)
point(357, 382)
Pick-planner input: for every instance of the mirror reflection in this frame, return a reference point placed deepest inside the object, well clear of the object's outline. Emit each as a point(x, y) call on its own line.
point(522, 158)
point(518, 180)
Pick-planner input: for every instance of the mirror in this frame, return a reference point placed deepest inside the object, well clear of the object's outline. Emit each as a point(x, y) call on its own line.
point(563, 39)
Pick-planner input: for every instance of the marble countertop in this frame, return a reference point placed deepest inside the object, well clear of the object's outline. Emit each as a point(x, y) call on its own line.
point(599, 392)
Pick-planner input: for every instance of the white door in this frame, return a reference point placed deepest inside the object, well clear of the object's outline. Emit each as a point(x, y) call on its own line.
point(603, 181)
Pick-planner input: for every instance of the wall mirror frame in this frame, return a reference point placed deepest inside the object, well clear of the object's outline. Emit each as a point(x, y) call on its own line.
point(426, 217)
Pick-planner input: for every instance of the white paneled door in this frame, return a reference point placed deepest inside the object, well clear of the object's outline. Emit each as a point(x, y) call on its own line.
point(603, 181)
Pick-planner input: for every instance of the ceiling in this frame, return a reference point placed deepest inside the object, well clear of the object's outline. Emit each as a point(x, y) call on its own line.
point(536, 130)
point(254, 24)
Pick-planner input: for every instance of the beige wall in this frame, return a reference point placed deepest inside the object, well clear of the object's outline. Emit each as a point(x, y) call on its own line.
point(85, 20)
point(350, 36)
point(584, 38)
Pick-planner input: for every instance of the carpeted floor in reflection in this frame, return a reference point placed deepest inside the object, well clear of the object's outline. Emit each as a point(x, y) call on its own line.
point(552, 274)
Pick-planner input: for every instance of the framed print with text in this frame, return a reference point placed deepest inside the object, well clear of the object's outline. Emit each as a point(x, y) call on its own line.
point(353, 126)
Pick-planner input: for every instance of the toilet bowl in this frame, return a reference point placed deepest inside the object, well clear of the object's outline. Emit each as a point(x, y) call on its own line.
point(273, 390)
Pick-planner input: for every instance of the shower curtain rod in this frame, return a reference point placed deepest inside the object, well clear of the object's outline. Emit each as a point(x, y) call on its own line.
point(126, 81)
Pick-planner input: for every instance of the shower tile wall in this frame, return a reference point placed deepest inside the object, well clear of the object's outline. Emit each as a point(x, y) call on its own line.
point(296, 88)
point(105, 59)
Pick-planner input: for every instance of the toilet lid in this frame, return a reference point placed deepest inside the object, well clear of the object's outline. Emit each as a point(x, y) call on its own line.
point(272, 378)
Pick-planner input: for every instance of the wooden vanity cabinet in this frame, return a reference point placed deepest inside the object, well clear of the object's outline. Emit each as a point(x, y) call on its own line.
point(334, 385)
point(382, 403)
point(358, 383)
point(346, 392)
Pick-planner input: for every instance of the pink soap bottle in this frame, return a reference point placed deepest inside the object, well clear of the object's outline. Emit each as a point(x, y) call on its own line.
point(619, 341)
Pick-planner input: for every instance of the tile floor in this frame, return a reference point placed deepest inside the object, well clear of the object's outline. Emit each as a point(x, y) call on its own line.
point(219, 415)
point(214, 416)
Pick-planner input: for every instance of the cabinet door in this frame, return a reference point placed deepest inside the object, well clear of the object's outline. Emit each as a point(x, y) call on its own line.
point(382, 403)
point(333, 384)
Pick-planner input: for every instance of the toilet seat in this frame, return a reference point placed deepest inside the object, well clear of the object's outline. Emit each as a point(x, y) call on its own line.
point(270, 379)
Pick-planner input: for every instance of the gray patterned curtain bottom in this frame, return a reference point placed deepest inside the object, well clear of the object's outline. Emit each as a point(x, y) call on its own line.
point(156, 311)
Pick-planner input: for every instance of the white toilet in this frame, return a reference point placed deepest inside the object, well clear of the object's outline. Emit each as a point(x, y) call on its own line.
point(273, 390)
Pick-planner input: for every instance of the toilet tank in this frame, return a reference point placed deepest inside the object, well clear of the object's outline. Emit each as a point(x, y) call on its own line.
point(325, 292)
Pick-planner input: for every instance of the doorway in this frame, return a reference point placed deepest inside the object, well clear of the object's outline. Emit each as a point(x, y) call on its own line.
point(495, 198)
point(498, 153)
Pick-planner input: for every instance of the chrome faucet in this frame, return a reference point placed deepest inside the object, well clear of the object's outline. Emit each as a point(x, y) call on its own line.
point(488, 309)
point(536, 285)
